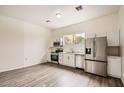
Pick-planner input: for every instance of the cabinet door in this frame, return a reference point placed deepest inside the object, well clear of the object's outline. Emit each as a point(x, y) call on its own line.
point(90, 35)
point(71, 60)
point(49, 57)
point(60, 58)
point(80, 61)
point(114, 67)
point(65, 59)
point(113, 38)
point(103, 34)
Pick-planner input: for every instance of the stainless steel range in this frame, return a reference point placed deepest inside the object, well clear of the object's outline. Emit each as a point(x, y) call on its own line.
point(54, 57)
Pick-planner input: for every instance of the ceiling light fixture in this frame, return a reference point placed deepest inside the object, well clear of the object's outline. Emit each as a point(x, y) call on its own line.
point(58, 15)
point(47, 21)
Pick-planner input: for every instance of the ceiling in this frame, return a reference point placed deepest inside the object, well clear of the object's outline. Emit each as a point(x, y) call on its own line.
point(38, 14)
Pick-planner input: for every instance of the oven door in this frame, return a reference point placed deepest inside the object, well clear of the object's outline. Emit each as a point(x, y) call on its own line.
point(54, 57)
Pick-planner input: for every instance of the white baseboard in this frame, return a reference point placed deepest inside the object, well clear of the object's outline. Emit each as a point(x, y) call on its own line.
point(10, 69)
point(5, 70)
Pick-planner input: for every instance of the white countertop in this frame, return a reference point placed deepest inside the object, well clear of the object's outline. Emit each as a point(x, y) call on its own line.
point(73, 53)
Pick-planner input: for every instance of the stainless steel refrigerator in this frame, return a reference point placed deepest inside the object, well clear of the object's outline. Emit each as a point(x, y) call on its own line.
point(96, 58)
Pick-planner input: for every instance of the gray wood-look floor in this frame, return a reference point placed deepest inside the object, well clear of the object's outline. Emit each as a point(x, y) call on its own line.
point(53, 75)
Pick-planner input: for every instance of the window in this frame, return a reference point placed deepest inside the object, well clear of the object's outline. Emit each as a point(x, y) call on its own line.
point(79, 38)
point(74, 39)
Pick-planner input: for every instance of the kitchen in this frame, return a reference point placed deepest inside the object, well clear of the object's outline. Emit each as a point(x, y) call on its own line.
point(75, 51)
point(65, 46)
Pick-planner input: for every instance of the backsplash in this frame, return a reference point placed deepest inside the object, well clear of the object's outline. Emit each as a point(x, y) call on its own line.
point(68, 48)
point(80, 48)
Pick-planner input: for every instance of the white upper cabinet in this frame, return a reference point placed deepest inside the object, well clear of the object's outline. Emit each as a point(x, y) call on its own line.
point(97, 34)
point(113, 38)
point(90, 35)
point(103, 34)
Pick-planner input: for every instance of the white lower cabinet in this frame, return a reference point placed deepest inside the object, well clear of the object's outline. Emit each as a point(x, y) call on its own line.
point(61, 58)
point(114, 66)
point(71, 60)
point(80, 61)
point(67, 59)
point(49, 57)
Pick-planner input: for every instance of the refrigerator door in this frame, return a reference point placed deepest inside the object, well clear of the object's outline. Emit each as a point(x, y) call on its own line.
point(88, 66)
point(100, 48)
point(98, 68)
point(96, 61)
point(89, 48)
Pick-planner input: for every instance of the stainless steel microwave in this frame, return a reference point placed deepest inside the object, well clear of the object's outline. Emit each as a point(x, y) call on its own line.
point(55, 44)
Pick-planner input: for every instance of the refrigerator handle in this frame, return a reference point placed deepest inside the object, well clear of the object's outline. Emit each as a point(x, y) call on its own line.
point(94, 49)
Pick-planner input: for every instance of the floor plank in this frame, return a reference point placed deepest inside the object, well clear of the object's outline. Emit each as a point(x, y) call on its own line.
point(54, 75)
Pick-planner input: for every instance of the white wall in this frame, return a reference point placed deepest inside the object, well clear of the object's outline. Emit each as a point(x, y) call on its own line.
point(121, 26)
point(106, 23)
point(36, 42)
point(21, 44)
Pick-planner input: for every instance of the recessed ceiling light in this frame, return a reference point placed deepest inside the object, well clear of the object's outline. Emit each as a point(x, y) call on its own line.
point(58, 15)
point(48, 21)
